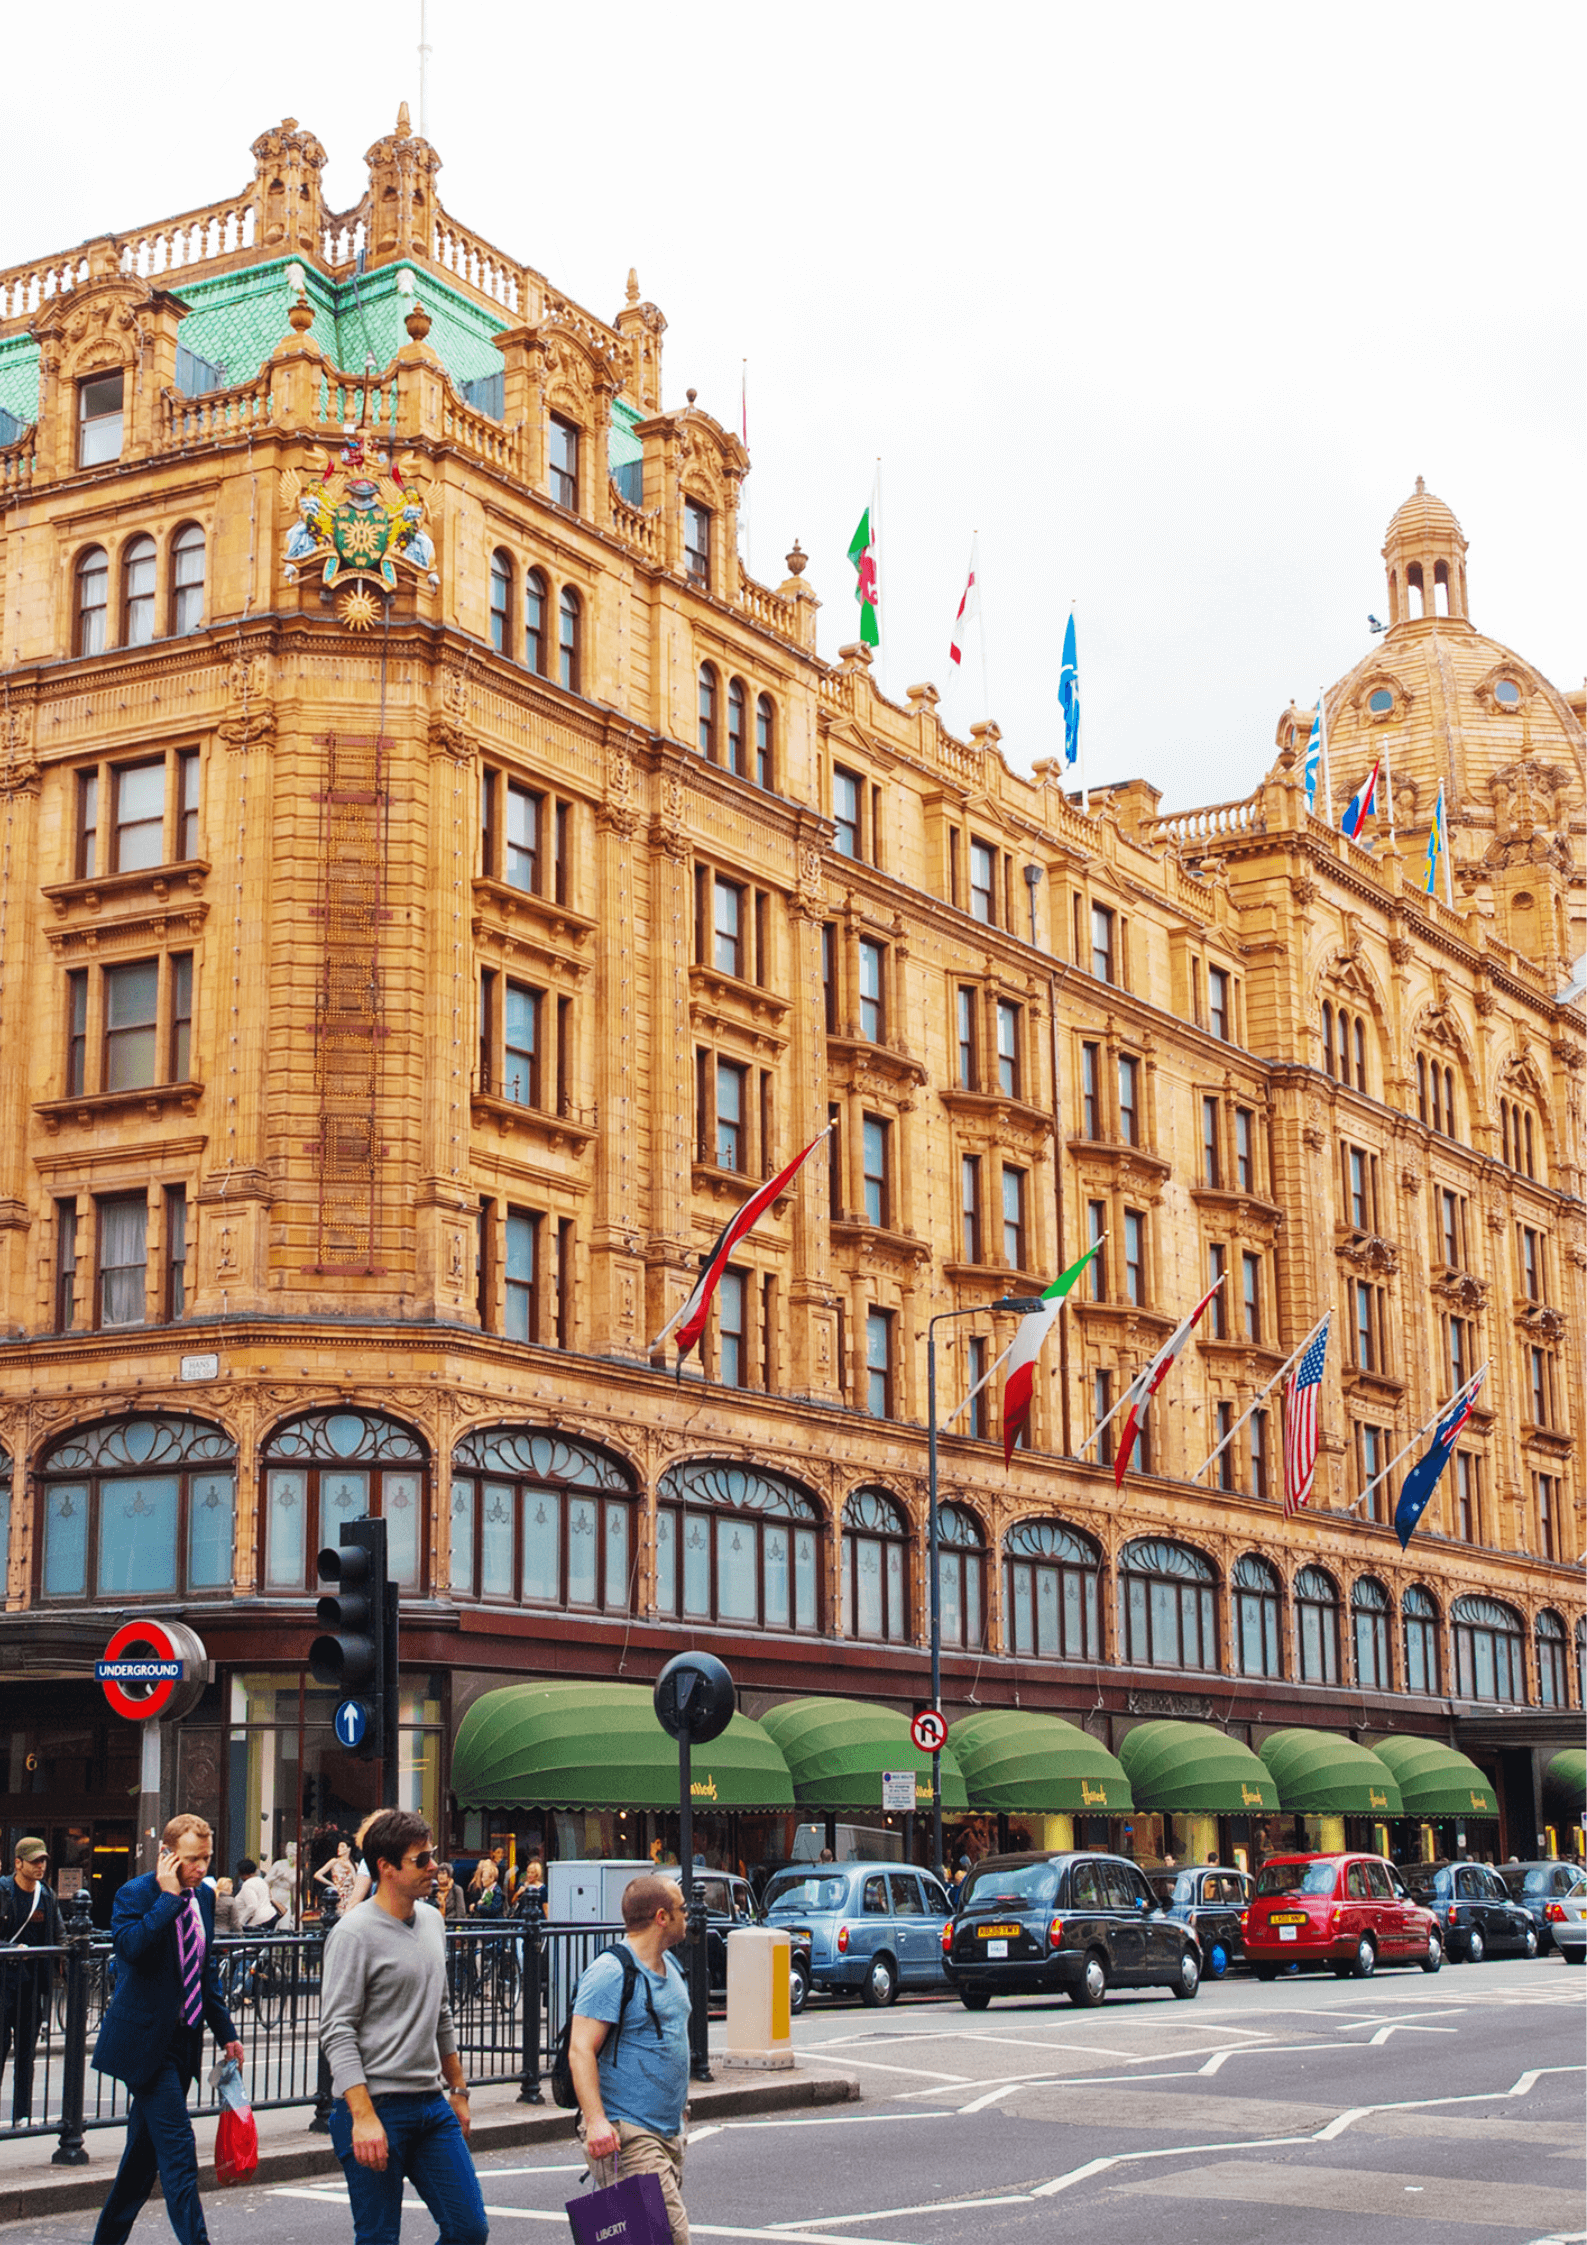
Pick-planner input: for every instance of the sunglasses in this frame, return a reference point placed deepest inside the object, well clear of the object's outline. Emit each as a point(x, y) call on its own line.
point(423, 1860)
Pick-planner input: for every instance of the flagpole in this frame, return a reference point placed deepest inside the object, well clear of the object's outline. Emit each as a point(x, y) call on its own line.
point(1151, 1360)
point(744, 512)
point(1080, 742)
point(1256, 1399)
point(881, 577)
point(1459, 1395)
point(1388, 786)
point(1327, 769)
point(980, 603)
point(992, 1372)
point(1443, 827)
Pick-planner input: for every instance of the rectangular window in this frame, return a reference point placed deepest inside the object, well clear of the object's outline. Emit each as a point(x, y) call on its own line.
point(1129, 1100)
point(138, 819)
point(1459, 1353)
point(484, 1259)
point(1218, 1002)
point(1244, 1165)
point(65, 1265)
point(1467, 1522)
point(1096, 1231)
point(1008, 1049)
point(181, 1018)
point(520, 1036)
point(1224, 1428)
point(1102, 943)
point(983, 883)
point(87, 824)
point(1531, 1265)
point(966, 1039)
point(1365, 1352)
point(1251, 1295)
point(99, 407)
point(1209, 1143)
point(970, 1205)
point(847, 798)
point(565, 1275)
point(835, 1200)
point(872, 1017)
point(522, 1318)
point(1014, 1218)
point(123, 1259)
point(768, 1123)
point(1134, 1257)
point(1218, 1307)
point(487, 1029)
point(131, 1007)
point(879, 1363)
point(875, 1150)
point(1101, 1405)
point(175, 1253)
point(1540, 1384)
point(1259, 1452)
point(1357, 1175)
point(727, 927)
point(521, 852)
point(975, 1417)
point(763, 958)
point(1547, 1515)
point(77, 1032)
point(564, 451)
point(829, 976)
point(1374, 1457)
point(1091, 1091)
point(732, 1355)
point(1449, 1211)
point(697, 541)
point(187, 805)
point(763, 770)
point(732, 1146)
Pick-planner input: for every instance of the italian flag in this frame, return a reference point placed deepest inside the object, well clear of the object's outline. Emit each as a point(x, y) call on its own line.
point(1146, 1384)
point(867, 590)
point(1019, 1387)
point(691, 1319)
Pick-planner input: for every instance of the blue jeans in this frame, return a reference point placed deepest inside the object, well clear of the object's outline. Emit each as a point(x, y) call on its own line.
point(425, 2144)
point(159, 2141)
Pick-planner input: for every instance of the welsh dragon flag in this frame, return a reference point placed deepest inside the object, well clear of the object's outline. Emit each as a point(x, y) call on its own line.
point(867, 590)
point(1019, 1387)
point(1146, 1384)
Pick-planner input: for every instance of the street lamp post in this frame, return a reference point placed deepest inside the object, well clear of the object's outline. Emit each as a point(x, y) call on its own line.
point(1023, 1305)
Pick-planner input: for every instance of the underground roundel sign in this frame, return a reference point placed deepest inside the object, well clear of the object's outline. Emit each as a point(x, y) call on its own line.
point(147, 1666)
point(929, 1731)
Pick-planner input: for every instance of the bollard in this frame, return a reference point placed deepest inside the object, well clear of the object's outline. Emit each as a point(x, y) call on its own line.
point(759, 2014)
point(324, 2097)
point(529, 2090)
point(77, 1932)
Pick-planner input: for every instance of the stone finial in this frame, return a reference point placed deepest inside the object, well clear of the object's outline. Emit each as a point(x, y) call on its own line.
point(301, 316)
point(632, 295)
point(417, 322)
point(691, 395)
point(404, 128)
point(1420, 486)
point(798, 560)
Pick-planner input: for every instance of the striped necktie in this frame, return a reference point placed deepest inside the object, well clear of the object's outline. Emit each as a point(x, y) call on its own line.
point(190, 1950)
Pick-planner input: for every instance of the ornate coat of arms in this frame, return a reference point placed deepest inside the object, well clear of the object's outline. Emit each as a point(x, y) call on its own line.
point(360, 522)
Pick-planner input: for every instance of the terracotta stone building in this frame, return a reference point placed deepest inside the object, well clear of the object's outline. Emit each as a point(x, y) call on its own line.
point(437, 884)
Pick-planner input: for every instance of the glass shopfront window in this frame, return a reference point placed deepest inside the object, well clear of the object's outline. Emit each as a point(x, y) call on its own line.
point(541, 1518)
point(334, 1466)
point(137, 1508)
point(749, 1544)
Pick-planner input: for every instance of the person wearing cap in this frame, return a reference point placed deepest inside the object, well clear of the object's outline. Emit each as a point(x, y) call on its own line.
point(29, 1919)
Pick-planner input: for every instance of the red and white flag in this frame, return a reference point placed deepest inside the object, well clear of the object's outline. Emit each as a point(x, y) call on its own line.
point(969, 609)
point(691, 1319)
point(1146, 1384)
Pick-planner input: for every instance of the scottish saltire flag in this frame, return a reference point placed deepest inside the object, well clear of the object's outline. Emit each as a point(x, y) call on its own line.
point(1437, 844)
point(1146, 1384)
point(1300, 1426)
point(1069, 693)
point(1315, 744)
point(691, 1319)
point(1363, 804)
point(1419, 1484)
point(1020, 1386)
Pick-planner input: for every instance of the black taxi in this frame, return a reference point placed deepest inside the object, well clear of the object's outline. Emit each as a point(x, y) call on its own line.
point(1212, 1899)
point(1082, 1923)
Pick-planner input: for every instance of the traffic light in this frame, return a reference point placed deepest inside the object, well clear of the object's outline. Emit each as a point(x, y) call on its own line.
point(351, 1657)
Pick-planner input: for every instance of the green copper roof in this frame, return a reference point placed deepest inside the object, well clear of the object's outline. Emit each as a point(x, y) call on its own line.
point(19, 377)
point(237, 319)
point(624, 447)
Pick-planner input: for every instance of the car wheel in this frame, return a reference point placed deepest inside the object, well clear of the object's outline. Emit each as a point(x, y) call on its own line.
point(1573, 1956)
point(1187, 1985)
point(1217, 1963)
point(1266, 1971)
point(1529, 1943)
point(879, 1988)
point(1366, 1959)
point(1092, 1984)
point(1434, 1959)
point(975, 1999)
point(1476, 1947)
point(798, 1985)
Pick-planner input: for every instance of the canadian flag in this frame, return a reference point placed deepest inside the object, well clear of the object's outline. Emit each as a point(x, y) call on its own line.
point(969, 609)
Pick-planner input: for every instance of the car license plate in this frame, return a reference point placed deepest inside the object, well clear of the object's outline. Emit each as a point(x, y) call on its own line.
point(1289, 1933)
point(1287, 1917)
point(997, 1933)
point(997, 1948)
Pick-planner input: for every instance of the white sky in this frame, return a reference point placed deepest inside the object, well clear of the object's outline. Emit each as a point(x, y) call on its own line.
point(1171, 305)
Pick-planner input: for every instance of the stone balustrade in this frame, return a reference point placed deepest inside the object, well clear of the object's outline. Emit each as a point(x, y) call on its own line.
point(344, 235)
point(639, 531)
point(185, 423)
point(1209, 823)
point(478, 434)
point(763, 606)
point(471, 260)
point(196, 238)
point(16, 463)
point(25, 290)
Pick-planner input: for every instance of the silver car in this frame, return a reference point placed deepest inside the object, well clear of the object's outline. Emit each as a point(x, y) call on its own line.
point(867, 1929)
point(1567, 1916)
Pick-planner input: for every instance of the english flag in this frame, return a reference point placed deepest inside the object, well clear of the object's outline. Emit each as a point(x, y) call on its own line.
point(1300, 1425)
point(969, 609)
point(691, 1319)
point(1146, 1384)
point(1363, 804)
point(1019, 1386)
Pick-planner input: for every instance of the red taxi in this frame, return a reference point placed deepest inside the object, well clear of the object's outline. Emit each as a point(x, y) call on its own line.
point(1350, 1912)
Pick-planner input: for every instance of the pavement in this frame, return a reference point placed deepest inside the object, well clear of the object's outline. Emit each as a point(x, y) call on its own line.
point(1319, 2112)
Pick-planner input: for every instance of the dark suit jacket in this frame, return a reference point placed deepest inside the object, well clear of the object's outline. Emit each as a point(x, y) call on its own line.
point(146, 2009)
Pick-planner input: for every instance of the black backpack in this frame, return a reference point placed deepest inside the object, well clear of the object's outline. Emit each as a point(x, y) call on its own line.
point(562, 2090)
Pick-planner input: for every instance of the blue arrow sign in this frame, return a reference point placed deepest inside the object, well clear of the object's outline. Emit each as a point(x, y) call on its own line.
point(351, 1722)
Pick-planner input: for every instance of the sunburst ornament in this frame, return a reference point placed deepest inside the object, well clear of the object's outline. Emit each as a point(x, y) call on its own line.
point(358, 608)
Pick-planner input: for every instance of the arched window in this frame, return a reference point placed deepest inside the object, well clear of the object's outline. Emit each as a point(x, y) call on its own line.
point(1317, 1626)
point(1050, 1592)
point(138, 1508)
point(737, 747)
point(569, 652)
point(1167, 1607)
point(501, 601)
point(707, 712)
point(137, 593)
point(534, 622)
point(1435, 1095)
point(1421, 1640)
point(1344, 1043)
point(961, 1575)
point(736, 1545)
point(1414, 593)
point(1370, 1610)
point(1490, 1650)
point(1551, 1686)
point(765, 722)
point(332, 1466)
point(187, 580)
point(1256, 1617)
point(540, 1518)
point(875, 1567)
point(93, 600)
point(1520, 1139)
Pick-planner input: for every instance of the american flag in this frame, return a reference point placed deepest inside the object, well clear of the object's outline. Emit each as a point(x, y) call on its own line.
point(1300, 1425)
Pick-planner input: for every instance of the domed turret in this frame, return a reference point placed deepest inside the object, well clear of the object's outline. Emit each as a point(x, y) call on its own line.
point(1425, 554)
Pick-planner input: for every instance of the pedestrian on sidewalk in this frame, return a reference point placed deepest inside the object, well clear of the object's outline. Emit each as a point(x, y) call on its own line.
point(162, 1929)
point(401, 2109)
point(629, 2049)
point(29, 1919)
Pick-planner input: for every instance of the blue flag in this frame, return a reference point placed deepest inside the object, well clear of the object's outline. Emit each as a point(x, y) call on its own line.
point(1314, 753)
point(1419, 1484)
point(1069, 694)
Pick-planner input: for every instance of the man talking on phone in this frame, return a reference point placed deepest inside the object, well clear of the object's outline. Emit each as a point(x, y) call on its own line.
point(401, 2107)
point(162, 1929)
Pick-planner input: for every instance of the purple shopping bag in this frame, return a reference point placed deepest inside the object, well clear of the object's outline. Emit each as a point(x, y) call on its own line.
point(632, 2212)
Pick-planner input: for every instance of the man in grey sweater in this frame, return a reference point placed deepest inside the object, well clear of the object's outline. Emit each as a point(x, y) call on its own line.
point(401, 2107)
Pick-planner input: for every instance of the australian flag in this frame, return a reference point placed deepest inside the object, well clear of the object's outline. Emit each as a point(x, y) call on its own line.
point(1069, 693)
point(1419, 1484)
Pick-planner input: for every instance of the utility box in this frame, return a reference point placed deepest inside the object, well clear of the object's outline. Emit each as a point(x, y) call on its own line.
point(590, 1893)
point(759, 2015)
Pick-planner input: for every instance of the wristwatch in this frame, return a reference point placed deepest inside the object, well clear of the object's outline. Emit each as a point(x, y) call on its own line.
point(458, 2090)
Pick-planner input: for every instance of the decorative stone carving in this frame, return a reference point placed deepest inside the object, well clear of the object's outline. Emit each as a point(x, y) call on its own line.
point(1464, 1294)
point(1370, 1252)
point(1543, 1323)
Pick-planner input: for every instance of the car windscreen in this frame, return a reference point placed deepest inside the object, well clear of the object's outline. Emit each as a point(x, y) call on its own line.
point(1297, 1878)
point(1530, 1882)
point(801, 1890)
point(1022, 1886)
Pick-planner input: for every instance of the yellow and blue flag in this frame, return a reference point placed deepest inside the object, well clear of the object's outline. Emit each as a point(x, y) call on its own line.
point(1437, 844)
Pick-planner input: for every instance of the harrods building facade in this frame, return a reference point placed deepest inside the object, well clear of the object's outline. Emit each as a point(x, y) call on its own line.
point(402, 977)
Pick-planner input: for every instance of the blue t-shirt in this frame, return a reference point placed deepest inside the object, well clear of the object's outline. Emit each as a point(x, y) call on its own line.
point(647, 2082)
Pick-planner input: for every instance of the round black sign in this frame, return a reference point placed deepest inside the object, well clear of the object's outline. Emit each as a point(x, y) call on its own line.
point(694, 1694)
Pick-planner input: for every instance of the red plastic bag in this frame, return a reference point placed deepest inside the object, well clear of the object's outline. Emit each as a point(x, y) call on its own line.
point(236, 2146)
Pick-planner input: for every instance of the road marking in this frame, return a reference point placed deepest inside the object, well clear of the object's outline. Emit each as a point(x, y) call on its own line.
point(894, 2213)
point(1396, 2018)
point(1406, 2027)
point(542, 2214)
point(876, 2065)
point(831, 2120)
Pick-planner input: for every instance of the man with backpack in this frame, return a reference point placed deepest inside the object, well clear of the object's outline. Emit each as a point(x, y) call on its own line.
point(628, 2048)
point(29, 1920)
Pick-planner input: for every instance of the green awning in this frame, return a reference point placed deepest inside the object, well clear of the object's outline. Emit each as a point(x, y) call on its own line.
point(837, 1749)
point(567, 1745)
point(1434, 1780)
point(1323, 1773)
point(1190, 1769)
point(1022, 1764)
point(1565, 1784)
